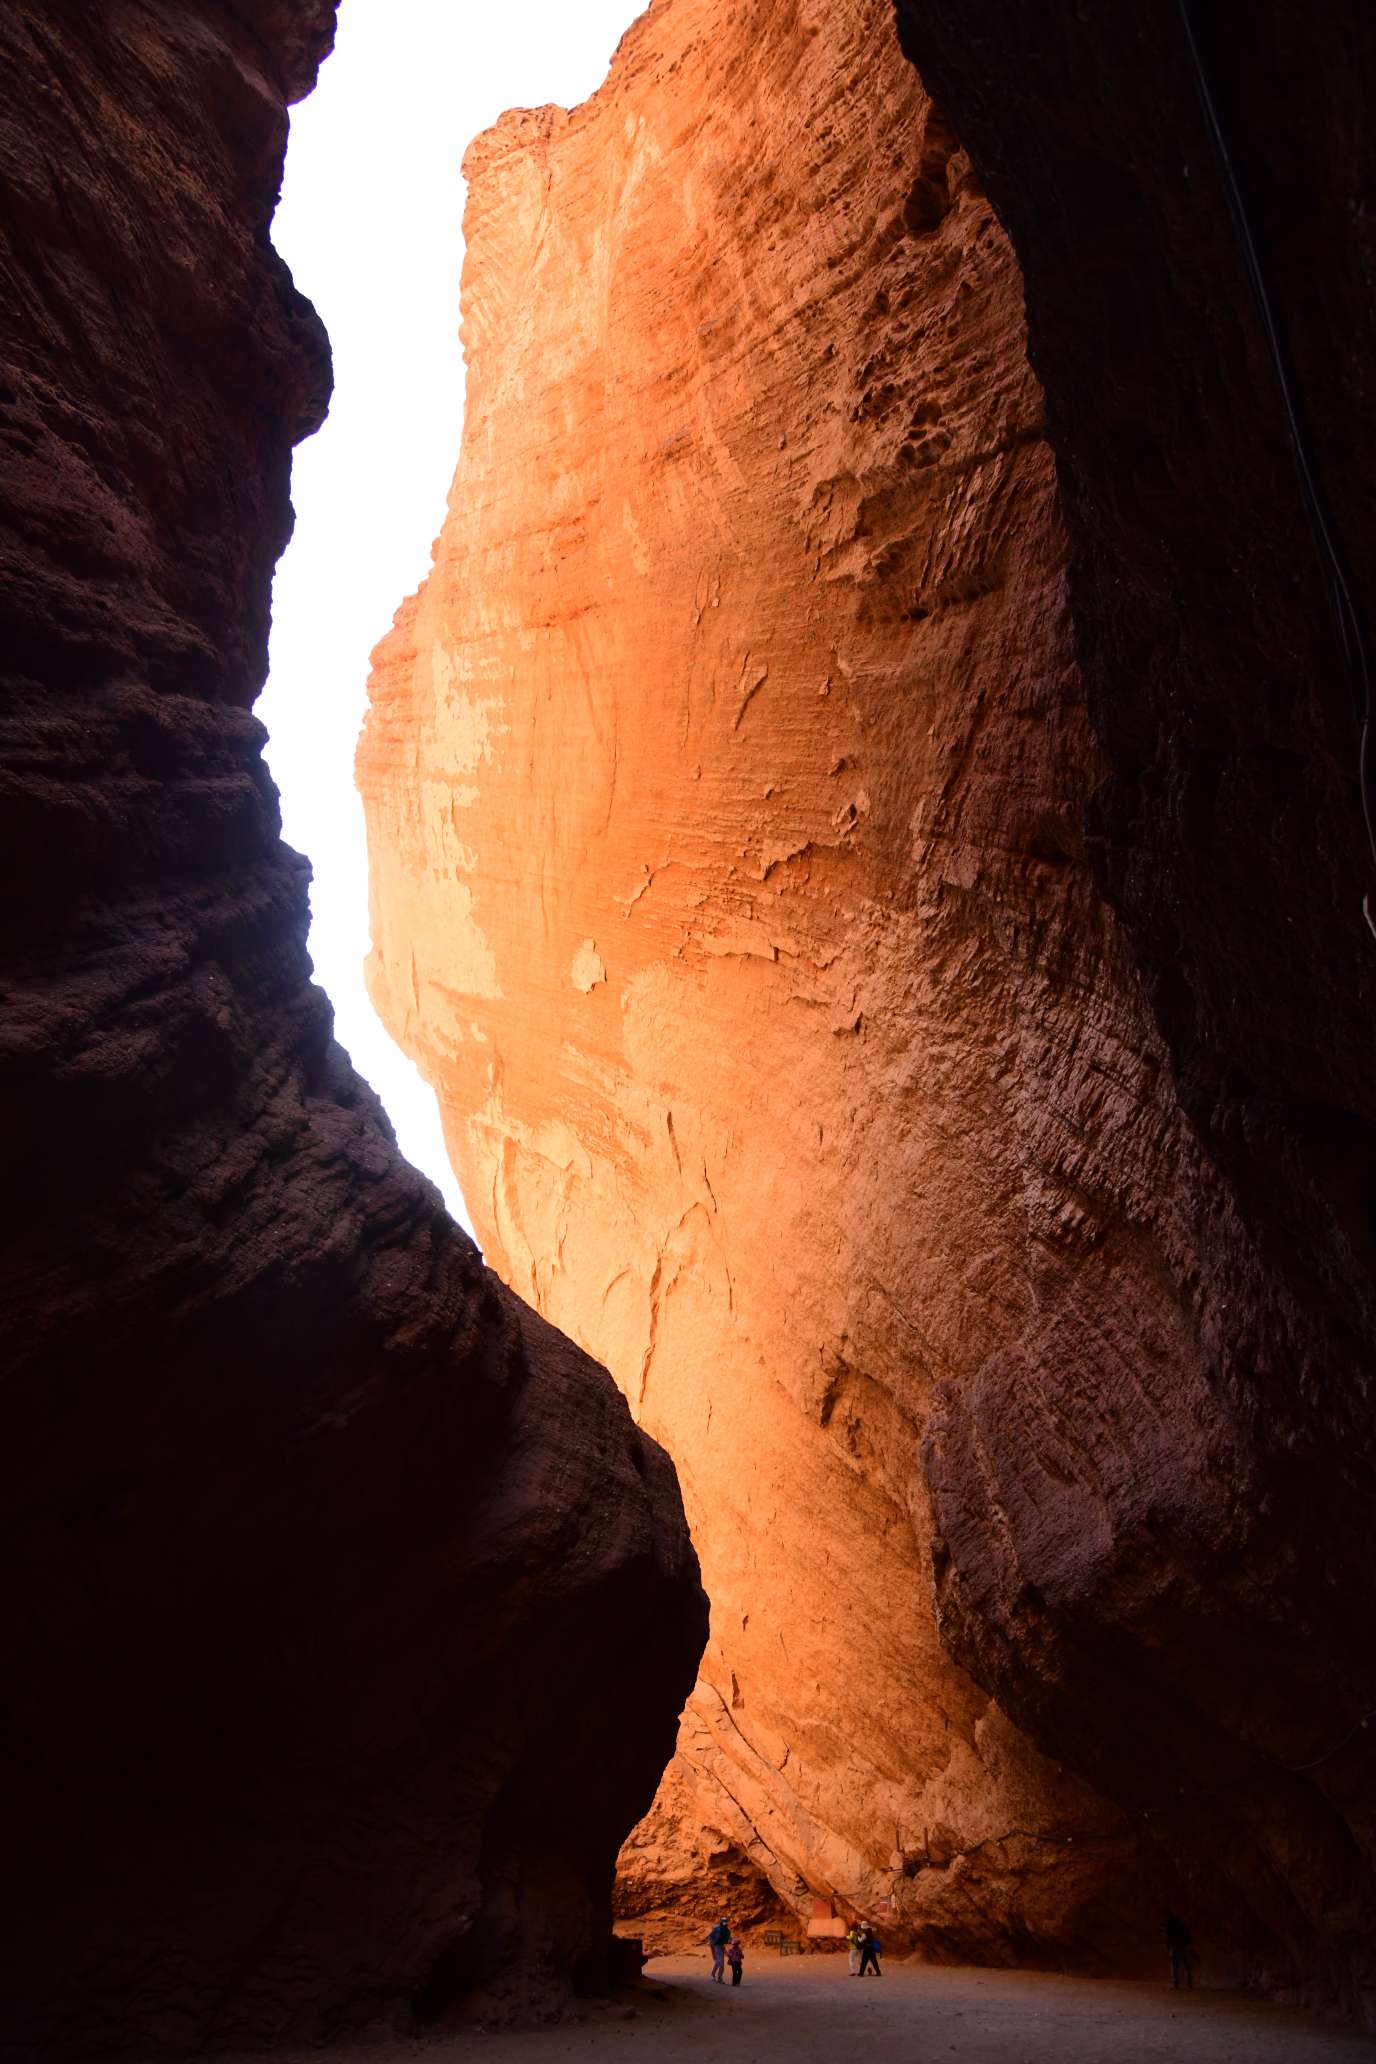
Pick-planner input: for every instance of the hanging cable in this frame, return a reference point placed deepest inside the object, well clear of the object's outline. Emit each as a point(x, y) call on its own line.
point(1352, 635)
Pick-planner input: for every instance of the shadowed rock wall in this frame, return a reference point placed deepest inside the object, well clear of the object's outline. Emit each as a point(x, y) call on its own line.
point(329, 1570)
point(1225, 1649)
point(725, 786)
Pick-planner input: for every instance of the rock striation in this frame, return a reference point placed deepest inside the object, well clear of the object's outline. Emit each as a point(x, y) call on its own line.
point(908, 1016)
point(330, 1569)
point(725, 787)
point(1227, 835)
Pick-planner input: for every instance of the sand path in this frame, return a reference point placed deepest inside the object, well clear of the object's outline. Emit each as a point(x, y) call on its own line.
point(809, 2011)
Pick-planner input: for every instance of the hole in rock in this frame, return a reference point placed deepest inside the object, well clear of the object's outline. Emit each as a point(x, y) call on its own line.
point(369, 223)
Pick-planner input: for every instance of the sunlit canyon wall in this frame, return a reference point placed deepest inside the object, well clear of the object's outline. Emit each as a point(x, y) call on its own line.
point(728, 788)
point(303, 1511)
point(724, 786)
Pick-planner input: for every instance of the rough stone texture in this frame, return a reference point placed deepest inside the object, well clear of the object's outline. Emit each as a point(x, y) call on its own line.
point(1227, 835)
point(865, 1102)
point(330, 1571)
point(725, 786)
point(679, 1869)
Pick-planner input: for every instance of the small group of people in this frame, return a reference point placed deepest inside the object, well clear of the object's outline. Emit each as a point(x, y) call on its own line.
point(727, 1949)
point(865, 1950)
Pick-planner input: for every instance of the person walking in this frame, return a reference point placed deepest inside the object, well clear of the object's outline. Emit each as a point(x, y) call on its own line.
point(855, 1936)
point(717, 1940)
point(735, 1956)
point(1180, 1950)
point(871, 1949)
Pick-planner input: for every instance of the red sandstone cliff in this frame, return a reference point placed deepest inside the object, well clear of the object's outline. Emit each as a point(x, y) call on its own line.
point(330, 1571)
point(979, 1211)
point(724, 787)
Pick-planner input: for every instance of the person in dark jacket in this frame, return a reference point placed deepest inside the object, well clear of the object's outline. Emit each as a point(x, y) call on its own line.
point(716, 1941)
point(735, 1956)
point(1180, 1950)
point(871, 1950)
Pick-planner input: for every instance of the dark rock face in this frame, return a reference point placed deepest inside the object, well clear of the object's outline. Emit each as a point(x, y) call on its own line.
point(1200, 1648)
point(332, 1575)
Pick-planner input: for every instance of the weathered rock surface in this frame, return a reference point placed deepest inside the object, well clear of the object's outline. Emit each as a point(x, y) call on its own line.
point(680, 1868)
point(728, 788)
point(725, 786)
point(330, 1572)
point(1225, 1640)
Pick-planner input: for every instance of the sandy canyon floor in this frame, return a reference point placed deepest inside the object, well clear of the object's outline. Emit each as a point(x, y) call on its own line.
point(811, 2012)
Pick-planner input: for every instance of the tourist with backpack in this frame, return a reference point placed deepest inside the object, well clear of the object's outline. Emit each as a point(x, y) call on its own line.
point(717, 1940)
point(871, 1949)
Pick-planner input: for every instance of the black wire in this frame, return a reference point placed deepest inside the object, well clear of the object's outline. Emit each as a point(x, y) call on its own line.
point(1300, 1769)
point(1352, 635)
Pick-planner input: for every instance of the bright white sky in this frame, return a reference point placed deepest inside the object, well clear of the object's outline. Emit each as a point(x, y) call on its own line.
point(370, 225)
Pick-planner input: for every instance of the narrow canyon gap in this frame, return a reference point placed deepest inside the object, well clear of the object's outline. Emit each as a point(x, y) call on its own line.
point(305, 1513)
point(1058, 937)
point(825, 928)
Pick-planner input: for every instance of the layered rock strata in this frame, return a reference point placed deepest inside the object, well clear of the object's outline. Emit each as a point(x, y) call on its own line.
point(330, 1570)
point(725, 787)
point(1238, 1680)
